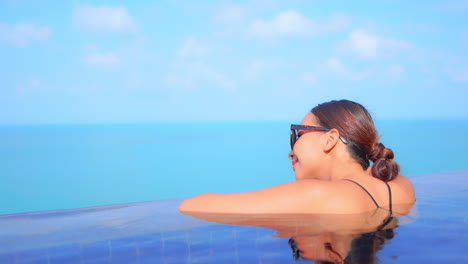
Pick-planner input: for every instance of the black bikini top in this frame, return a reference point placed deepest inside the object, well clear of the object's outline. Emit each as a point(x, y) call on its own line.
point(390, 217)
point(370, 195)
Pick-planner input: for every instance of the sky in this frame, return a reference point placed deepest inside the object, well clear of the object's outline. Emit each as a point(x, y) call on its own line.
point(151, 61)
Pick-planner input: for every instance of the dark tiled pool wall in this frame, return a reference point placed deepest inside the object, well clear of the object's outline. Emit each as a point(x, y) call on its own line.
point(207, 244)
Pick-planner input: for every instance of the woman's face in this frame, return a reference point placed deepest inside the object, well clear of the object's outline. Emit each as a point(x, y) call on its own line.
point(307, 154)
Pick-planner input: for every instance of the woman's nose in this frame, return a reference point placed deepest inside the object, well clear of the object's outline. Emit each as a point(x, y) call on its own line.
point(291, 155)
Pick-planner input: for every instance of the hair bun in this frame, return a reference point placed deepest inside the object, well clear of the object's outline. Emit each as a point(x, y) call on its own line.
point(380, 152)
point(384, 168)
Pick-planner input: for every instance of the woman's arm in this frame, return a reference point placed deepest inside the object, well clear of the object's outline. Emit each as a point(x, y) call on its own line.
point(305, 196)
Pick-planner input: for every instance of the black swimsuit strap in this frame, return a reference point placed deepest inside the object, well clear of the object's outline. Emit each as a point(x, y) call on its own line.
point(376, 204)
point(390, 217)
point(389, 199)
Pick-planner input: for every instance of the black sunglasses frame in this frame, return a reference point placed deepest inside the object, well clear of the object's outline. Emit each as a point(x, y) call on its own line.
point(294, 134)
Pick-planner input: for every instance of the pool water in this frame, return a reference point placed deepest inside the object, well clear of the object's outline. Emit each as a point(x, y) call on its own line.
point(436, 231)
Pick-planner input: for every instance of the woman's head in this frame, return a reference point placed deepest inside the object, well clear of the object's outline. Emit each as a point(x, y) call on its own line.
point(351, 127)
point(355, 124)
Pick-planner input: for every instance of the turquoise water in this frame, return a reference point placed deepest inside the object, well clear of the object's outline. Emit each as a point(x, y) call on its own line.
point(72, 166)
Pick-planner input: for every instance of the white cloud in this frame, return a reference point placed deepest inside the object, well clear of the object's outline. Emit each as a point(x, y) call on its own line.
point(103, 18)
point(287, 23)
point(291, 23)
point(192, 47)
point(394, 43)
point(31, 84)
point(336, 23)
point(338, 68)
point(365, 45)
point(35, 83)
point(105, 60)
point(190, 68)
point(22, 34)
point(334, 68)
point(235, 18)
point(134, 54)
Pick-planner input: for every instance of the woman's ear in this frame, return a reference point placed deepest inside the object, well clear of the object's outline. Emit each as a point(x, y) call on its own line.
point(331, 138)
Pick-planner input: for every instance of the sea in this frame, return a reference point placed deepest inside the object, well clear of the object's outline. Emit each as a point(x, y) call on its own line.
point(53, 167)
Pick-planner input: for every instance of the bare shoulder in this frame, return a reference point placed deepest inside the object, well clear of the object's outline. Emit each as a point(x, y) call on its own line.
point(403, 188)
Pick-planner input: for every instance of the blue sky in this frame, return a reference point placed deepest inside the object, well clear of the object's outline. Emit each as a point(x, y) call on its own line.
point(145, 61)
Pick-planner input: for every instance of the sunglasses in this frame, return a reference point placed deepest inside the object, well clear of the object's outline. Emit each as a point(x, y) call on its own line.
point(298, 130)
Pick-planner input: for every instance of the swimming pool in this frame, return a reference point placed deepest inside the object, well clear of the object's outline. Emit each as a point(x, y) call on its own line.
point(155, 232)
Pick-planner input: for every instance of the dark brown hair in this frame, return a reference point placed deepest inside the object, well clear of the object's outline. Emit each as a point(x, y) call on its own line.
point(355, 124)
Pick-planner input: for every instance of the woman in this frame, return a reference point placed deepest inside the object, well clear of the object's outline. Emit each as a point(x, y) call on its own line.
point(331, 153)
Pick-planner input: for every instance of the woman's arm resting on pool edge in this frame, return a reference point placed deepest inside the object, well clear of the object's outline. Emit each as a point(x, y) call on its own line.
point(291, 197)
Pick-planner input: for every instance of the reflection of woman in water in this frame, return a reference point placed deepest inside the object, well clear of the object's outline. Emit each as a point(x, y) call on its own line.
point(331, 153)
point(323, 238)
point(355, 246)
point(344, 249)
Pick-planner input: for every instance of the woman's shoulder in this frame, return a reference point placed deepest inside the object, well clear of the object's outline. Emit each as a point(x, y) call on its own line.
point(404, 185)
point(330, 196)
point(404, 195)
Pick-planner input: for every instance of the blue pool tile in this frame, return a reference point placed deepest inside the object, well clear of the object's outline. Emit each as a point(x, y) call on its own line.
point(200, 259)
point(65, 253)
point(175, 259)
point(197, 235)
point(7, 258)
point(243, 247)
point(36, 256)
point(150, 248)
point(248, 232)
point(200, 250)
point(123, 247)
point(277, 258)
point(269, 244)
point(179, 248)
point(224, 235)
point(123, 259)
point(123, 242)
point(174, 235)
point(105, 260)
point(150, 259)
point(152, 238)
point(147, 238)
point(227, 259)
point(96, 250)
